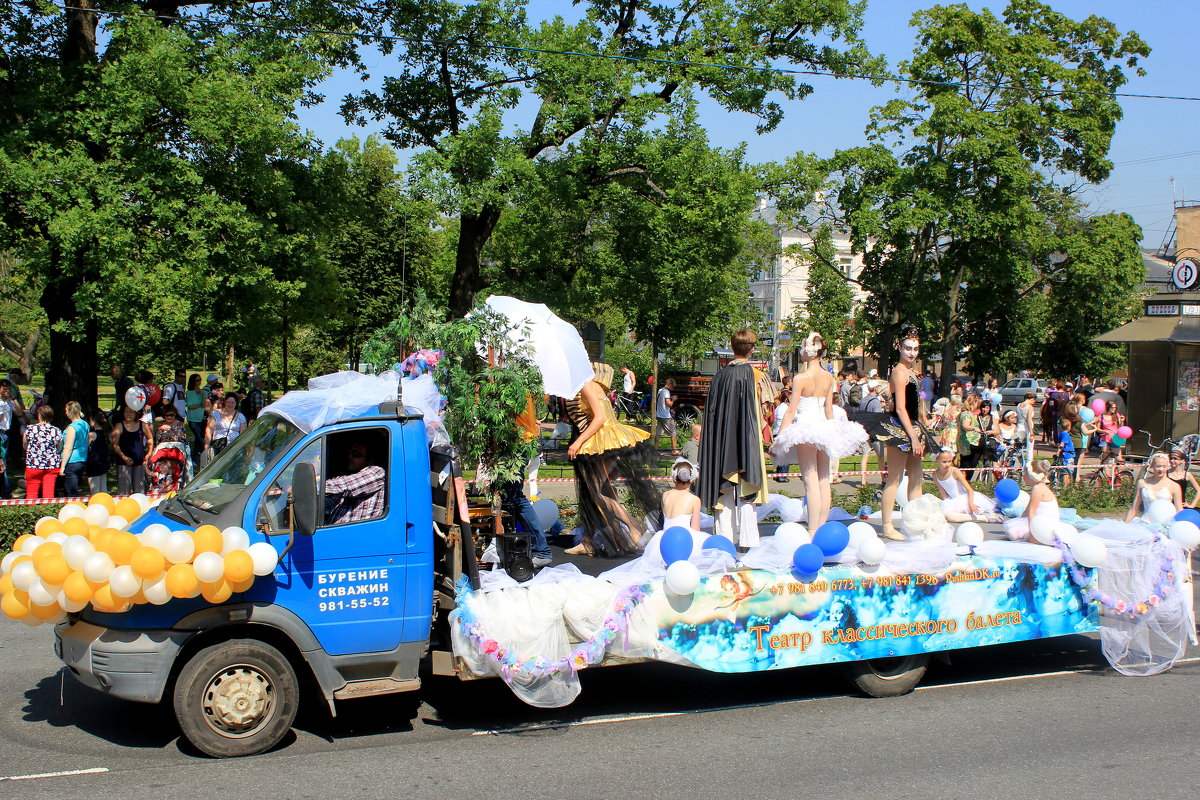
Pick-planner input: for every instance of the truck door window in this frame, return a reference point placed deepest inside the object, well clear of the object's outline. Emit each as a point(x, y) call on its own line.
point(273, 509)
point(355, 487)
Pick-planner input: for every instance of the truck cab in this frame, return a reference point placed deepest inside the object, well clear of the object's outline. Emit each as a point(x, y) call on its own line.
point(349, 607)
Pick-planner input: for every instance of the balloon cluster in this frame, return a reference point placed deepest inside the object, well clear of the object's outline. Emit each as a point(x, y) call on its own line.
point(830, 540)
point(86, 555)
point(676, 548)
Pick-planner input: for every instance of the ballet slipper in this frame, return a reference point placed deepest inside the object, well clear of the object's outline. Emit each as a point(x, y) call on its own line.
point(890, 532)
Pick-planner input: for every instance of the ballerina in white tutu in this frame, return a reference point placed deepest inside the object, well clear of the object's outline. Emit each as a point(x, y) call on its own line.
point(812, 433)
point(960, 503)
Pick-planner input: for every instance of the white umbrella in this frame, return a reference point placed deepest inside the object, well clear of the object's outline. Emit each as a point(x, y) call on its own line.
point(555, 347)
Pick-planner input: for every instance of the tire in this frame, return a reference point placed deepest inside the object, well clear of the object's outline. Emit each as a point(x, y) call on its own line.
point(686, 415)
point(236, 698)
point(888, 677)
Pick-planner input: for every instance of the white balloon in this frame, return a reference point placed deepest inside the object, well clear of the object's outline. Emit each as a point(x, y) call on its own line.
point(142, 500)
point(265, 558)
point(1160, 511)
point(123, 582)
point(156, 591)
point(1186, 533)
point(902, 493)
point(6, 562)
point(31, 620)
point(1021, 503)
point(70, 511)
point(98, 567)
point(1066, 532)
point(1088, 550)
point(58, 537)
point(235, 538)
point(682, 578)
point(871, 550)
point(135, 397)
point(859, 532)
point(57, 618)
point(792, 509)
point(154, 535)
point(178, 547)
point(118, 522)
point(790, 535)
point(209, 567)
point(969, 533)
point(75, 550)
point(39, 595)
point(23, 575)
point(67, 604)
point(96, 515)
point(1042, 528)
point(31, 544)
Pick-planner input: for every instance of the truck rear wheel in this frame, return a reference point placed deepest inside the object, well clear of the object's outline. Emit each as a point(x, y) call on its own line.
point(888, 677)
point(236, 698)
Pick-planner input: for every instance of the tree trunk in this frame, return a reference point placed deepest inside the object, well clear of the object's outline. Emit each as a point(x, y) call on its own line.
point(950, 333)
point(73, 367)
point(229, 369)
point(284, 387)
point(474, 230)
point(654, 395)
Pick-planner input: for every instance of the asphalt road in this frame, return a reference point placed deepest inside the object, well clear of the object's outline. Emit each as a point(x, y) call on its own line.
point(1034, 720)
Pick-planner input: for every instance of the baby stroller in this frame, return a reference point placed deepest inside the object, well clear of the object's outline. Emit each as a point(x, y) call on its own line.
point(170, 466)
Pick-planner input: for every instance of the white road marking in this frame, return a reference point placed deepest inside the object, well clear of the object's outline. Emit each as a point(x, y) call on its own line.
point(549, 726)
point(91, 771)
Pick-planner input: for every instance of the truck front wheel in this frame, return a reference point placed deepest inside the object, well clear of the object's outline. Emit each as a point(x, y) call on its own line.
point(888, 677)
point(236, 698)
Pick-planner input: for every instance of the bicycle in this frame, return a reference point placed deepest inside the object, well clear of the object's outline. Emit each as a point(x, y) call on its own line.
point(631, 405)
point(1003, 462)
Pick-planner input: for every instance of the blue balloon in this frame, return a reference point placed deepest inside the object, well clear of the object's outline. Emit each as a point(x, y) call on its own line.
point(1188, 515)
point(807, 559)
point(997, 397)
point(832, 538)
point(675, 544)
point(719, 543)
point(547, 512)
point(1007, 491)
point(1086, 414)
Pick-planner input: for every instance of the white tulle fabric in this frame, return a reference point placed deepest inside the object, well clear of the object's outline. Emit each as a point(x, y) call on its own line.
point(341, 395)
point(837, 437)
point(923, 520)
point(1152, 642)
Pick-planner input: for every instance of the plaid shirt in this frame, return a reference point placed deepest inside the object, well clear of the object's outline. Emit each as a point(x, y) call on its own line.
point(254, 403)
point(351, 498)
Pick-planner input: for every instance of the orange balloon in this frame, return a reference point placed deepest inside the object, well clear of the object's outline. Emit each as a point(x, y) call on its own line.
point(216, 592)
point(53, 570)
point(181, 580)
point(128, 508)
point(104, 600)
point(93, 530)
point(122, 546)
point(103, 499)
point(242, 586)
point(138, 598)
point(47, 526)
point(238, 566)
point(46, 550)
point(44, 612)
point(75, 526)
point(147, 562)
point(78, 588)
point(13, 606)
point(6, 584)
point(19, 559)
point(207, 539)
point(21, 540)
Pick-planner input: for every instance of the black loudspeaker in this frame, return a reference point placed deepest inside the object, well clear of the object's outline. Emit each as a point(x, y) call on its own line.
point(514, 551)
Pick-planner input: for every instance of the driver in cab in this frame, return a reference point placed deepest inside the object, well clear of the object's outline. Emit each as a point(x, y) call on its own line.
point(357, 495)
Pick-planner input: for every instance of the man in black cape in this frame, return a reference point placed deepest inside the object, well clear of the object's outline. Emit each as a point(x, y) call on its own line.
point(733, 467)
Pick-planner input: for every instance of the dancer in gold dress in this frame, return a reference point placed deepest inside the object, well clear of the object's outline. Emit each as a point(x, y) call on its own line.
point(603, 450)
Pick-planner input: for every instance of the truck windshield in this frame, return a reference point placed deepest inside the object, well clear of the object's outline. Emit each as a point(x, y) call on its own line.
point(224, 480)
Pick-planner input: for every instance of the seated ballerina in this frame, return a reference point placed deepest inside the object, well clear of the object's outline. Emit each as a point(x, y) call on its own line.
point(960, 503)
point(1155, 486)
point(679, 505)
point(1042, 502)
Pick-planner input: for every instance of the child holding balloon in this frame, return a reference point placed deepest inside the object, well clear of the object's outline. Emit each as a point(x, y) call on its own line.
point(1153, 488)
point(1042, 503)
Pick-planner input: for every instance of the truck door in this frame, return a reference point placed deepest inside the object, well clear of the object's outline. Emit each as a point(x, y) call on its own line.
point(347, 580)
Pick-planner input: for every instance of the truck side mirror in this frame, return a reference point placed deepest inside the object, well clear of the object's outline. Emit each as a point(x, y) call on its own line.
point(304, 499)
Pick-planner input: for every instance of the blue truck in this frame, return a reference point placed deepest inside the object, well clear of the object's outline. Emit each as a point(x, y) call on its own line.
point(354, 609)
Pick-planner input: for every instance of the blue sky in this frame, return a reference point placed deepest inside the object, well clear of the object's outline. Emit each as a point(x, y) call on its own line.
point(835, 114)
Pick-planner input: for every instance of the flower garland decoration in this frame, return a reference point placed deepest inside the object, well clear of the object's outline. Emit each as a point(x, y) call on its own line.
point(1164, 584)
point(587, 653)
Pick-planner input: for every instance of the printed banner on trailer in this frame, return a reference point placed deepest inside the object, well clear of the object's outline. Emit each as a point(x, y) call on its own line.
point(752, 620)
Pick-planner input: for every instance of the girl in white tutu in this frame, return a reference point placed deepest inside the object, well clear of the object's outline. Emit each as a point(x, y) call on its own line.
point(679, 506)
point(812, 433)
point(960, 503)
point(1042, 503)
